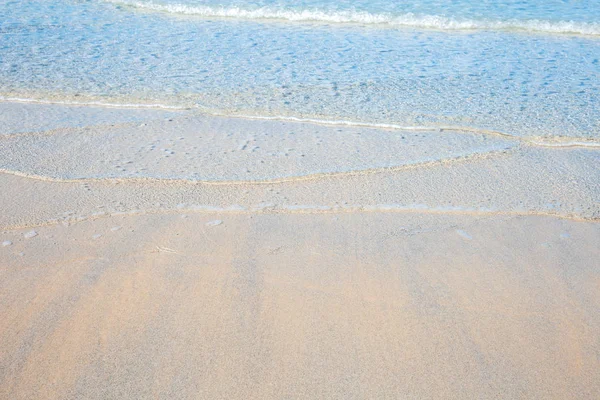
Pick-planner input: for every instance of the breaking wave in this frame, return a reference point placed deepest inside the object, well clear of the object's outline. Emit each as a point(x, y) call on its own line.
point(366, 18)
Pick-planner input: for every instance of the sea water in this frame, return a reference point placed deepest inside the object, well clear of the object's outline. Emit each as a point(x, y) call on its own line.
point(527, 68)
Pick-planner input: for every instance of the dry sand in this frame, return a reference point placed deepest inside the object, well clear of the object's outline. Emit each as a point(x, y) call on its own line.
point(475, 277)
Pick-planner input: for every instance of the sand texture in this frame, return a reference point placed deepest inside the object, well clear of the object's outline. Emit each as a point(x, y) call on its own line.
point(449, 264)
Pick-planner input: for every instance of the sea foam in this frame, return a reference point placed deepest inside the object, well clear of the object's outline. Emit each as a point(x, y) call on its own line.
point(388, 20)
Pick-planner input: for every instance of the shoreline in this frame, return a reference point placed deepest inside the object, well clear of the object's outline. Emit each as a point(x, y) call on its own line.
point(201, 112)
point(463, 279)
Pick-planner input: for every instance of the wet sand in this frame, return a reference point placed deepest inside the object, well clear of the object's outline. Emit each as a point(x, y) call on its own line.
point(474, 277)
point(351, 305)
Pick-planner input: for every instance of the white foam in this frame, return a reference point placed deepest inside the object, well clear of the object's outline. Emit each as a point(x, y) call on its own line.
point(554, 141)
point(66, 102)
point(366, 18)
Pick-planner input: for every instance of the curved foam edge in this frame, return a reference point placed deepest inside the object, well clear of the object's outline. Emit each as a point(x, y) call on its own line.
point(556, 142)
point(9, 99)
point(298, 178)
point(365, 18)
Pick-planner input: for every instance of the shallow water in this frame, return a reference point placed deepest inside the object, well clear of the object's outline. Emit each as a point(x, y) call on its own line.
point(498, 75)
point(225, 149)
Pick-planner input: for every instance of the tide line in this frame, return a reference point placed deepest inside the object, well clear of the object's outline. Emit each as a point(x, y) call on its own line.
point(273, 209)
point(292, 179)
point(554, 142)
point(533, 140)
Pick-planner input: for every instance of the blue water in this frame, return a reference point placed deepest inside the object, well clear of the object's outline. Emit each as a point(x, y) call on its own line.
point(527, 68)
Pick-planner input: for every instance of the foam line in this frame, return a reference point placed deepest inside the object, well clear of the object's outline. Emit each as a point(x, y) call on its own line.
point(300, 178)
point(365, 18)
point(556, 142)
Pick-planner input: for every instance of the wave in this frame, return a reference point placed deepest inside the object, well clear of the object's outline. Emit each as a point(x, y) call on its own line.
point(115, 104)
point(365, 18)
point(540, 141)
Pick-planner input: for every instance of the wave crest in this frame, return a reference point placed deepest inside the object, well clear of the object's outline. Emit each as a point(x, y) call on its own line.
point(366, 18)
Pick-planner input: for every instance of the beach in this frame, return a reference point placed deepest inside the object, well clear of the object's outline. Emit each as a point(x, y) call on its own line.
point(273, 199)
point(473, 276)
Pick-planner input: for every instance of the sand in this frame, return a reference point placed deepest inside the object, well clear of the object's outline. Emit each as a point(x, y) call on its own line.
point(475, 275)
